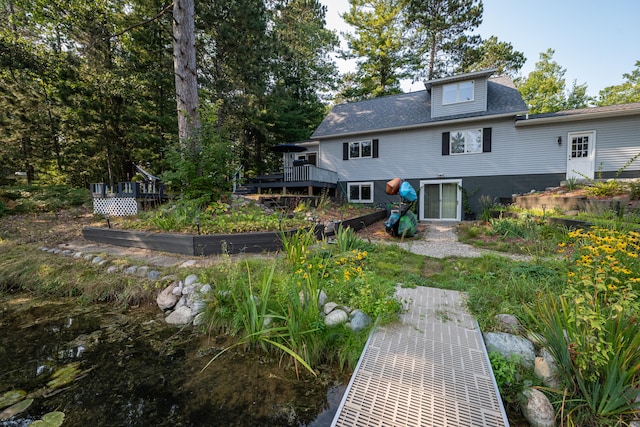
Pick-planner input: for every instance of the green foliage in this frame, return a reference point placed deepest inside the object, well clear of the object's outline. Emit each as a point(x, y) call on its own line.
point(486, 207)
point(591, 329)
point(202, 174)
point(41, 198)
point(379, 43)
point(440, 32)
point(507, 375)
point(544, 89)
point(624, 93)
point(492, 53)
point(51, 419)
point(188, 216)
point(346, 239)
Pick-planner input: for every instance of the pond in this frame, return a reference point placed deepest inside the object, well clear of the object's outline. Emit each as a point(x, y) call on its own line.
point(129, 368)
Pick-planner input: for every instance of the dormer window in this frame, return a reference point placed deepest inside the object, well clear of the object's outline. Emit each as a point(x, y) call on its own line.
point(457, 92)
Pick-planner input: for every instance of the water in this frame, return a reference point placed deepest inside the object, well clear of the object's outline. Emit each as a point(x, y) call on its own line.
point(134, 370)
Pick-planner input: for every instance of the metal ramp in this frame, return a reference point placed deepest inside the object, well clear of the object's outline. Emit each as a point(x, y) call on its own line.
point(430, 370)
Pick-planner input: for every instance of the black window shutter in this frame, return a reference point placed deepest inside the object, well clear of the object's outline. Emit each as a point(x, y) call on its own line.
point(345, 151)
point(445, 143)
point(486, 140)
point(375, 148)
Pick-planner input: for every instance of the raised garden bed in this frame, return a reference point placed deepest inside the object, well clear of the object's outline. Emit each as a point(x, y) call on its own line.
point(213, 244)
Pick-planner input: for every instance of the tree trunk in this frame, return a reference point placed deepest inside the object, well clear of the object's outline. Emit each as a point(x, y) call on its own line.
point(184, 64)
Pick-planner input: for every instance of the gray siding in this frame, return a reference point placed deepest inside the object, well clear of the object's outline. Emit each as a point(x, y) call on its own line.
point(521, 150)
point(478, 104)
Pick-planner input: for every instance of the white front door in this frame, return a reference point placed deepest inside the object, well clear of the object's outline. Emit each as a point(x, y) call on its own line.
point(582, 155)
point(440, 200)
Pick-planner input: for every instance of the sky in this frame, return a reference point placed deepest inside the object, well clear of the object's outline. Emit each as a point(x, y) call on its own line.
point(596, 42)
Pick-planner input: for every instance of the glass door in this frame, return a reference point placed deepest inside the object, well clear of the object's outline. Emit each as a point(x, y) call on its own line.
point(441, 200)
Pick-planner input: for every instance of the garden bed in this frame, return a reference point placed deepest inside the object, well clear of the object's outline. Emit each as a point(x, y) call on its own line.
point(212, 244)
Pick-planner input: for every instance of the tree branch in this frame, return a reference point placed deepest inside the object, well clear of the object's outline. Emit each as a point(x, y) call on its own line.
point(145, 22)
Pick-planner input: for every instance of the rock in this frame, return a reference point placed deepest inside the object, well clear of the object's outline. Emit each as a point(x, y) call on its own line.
point(322, 298)
point(178, 289)
point(359, 320)
point(190, 280)
point(166, 299)
point(545, 369)
point(329, 307)
point(188, 289)
point(182, 302)
point(78, 255)
point(96, 260)
point(537, 409)
point(188, 263)
point(205, 289)
point(335, 318)
point(112, 269)
point(67, 252)
point(181, 316)
point(198, 306)
point(508, 323)
point(103, 263)
point(507, 345)
point(153, 274)
point(142, 271)
point(88, 257)
point(199, 319)
point(131, 270)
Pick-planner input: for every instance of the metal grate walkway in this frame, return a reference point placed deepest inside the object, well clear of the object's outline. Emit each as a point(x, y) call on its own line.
point(430, 370)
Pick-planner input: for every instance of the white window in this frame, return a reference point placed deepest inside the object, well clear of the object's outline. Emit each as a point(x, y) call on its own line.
point(360, 149)
point(465, 141)
point(457, 92)
point(360, 192)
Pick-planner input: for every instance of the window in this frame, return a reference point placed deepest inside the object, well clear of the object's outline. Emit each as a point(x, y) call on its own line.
point(466, 141)
point(360, 149)
point(361, 192)
point(457, 92)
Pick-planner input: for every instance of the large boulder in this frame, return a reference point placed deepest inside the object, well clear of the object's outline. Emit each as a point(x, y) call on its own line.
point(508, 345)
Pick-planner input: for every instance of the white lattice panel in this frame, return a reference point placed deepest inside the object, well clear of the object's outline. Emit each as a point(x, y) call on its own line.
point(115, 206)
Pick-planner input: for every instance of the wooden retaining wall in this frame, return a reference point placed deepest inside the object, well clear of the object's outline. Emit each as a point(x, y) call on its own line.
point(212, 244)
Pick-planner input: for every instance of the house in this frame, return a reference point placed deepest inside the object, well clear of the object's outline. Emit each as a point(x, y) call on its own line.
point(467, 136)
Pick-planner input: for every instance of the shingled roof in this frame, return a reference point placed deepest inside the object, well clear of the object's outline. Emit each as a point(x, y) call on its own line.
point(409, 110)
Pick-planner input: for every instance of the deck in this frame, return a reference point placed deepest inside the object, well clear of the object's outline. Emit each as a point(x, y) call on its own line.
point(432, 369)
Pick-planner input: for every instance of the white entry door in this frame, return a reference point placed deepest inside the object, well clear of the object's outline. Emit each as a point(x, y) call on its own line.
point(440, 200)
point(582, 155)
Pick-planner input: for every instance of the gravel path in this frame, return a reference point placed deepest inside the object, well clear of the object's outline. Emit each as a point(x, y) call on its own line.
point(440, 241)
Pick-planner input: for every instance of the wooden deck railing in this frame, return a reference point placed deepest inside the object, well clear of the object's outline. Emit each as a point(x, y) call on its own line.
point(309, 173)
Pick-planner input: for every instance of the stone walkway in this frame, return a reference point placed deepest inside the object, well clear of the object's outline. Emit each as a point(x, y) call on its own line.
point(440, 241)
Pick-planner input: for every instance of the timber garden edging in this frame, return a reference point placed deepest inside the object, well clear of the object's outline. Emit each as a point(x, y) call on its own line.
point(212, 244)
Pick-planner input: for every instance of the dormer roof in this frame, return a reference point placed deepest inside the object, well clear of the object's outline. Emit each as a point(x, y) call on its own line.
point(413, 110)
point(459, 78)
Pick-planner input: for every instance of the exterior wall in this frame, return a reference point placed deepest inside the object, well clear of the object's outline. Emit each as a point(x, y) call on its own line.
point(617, 140)
point(479, 102)
point(500, 188)
point(418, 154)
point(523, 156)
